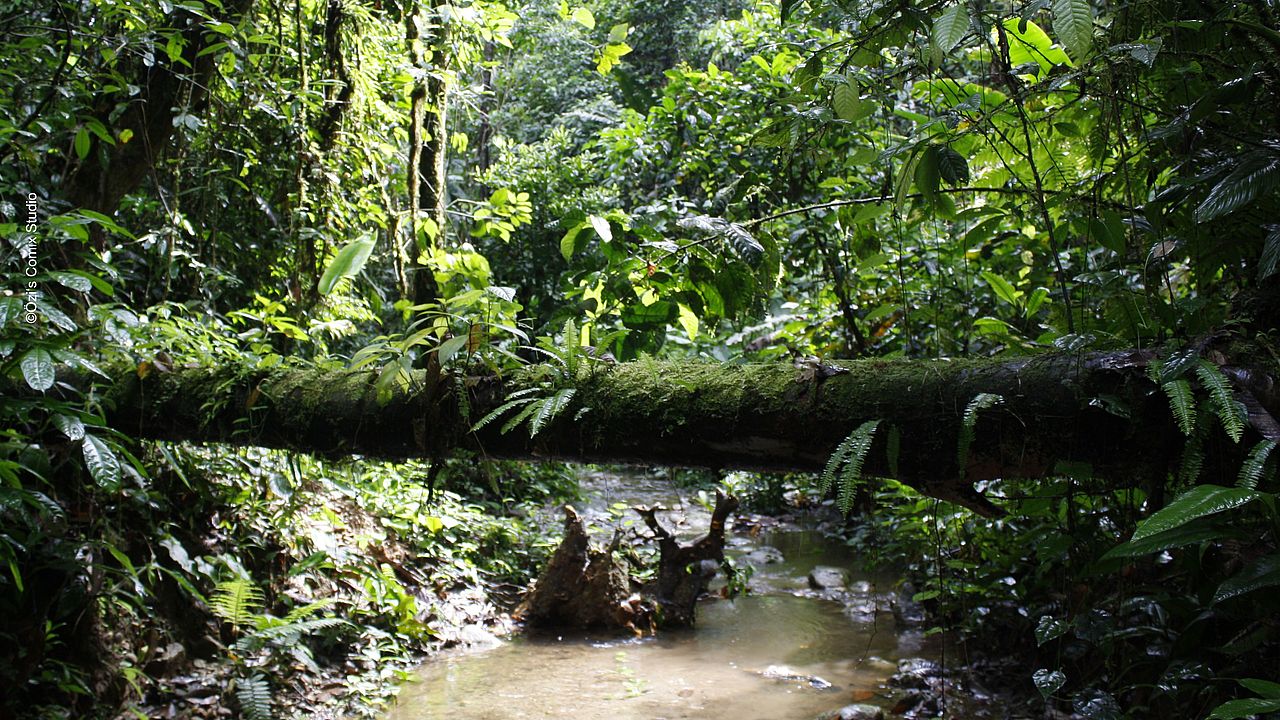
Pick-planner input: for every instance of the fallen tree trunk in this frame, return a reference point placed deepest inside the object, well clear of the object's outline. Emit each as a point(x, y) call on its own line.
point(1098, 410)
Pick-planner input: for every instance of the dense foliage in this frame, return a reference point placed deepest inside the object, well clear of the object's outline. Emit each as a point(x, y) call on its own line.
point(394, 184)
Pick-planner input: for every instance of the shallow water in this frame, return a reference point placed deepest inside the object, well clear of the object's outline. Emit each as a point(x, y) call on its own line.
point(712, 672)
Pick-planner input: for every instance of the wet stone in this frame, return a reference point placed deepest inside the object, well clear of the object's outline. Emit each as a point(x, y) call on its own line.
point(823, 577)
point(915, 673)
point(763, 555)
point(854, 712)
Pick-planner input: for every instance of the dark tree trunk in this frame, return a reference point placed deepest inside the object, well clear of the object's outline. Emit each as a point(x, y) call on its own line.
point(103, 178)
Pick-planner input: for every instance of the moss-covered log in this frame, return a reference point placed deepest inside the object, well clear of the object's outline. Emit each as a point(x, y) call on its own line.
point(1098, 410)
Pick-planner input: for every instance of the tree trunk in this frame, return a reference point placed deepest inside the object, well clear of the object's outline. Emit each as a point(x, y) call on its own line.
point(1097, 413)
point(169, 87)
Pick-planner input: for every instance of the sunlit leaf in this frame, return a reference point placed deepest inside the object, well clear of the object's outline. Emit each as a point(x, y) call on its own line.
point(349, 261)
point(1197, 502)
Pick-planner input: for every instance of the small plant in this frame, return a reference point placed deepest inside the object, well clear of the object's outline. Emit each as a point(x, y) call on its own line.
point(538, 406)
point(845, 464)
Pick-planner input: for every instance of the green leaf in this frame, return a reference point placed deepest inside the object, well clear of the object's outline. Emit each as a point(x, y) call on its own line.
point(1263, 572)
point(602, 228)
point(37, 369)
point(1263, 688)
point(927, 175)
point(1269, 261)
point(70, 426)
point(1177, 537)
point(1197, 502)
point(1255, 176)
point(952, 166)
point(1048, 681)
point(649, 317)
point(1222, 399)
point(1049, 628)
point(980, 402)
point(349, 261)
point(848, 103)
point(1248, 707)
point(450, 347)
point(569, 243)
point(1002, 288)
point(1183, 403)
point(81, 143)
point(103, 464)
point(583, 17)
point(1073, 22)
point(950, 27)
point(1254, 464)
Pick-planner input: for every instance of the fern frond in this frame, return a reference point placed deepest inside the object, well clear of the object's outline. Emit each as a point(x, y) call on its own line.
point(1224, 403)
point(1253, 466)
point(1183, 403)
point(236, 601)
point(845, 463)
point(528, 411)
point(852, 472)
point(501, 410)
point(1192, 460)
point(550, 410)
point(254, 695)
point(302, 611)
point(572, 349)
point(980, 402)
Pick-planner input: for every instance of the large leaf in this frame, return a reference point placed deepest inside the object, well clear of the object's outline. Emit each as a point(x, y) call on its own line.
point(349, 261)
point(952, 166)
point(1197, 502)
point(1048, 681)
point(1167, 540)
point(103, 464)
point(950, 27)
point(848, 103)
point(1255, 176)
point(1029, 43)
point(1270, 260)
point(1073, 22)
point(37, 369)
point(1264, 572)
point(1248, 707)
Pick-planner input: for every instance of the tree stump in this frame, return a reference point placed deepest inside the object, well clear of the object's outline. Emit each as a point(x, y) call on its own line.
point(587, 587)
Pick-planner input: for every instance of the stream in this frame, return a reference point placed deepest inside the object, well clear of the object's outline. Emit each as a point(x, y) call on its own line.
point(766, 655)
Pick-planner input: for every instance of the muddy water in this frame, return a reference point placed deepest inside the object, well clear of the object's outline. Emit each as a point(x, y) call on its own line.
point(726, 668)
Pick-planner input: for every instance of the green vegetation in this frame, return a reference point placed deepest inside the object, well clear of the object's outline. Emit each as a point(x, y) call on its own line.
point(529, 189)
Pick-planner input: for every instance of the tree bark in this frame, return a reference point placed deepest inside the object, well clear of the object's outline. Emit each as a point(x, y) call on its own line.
point(1097, 413)
point(103, 178)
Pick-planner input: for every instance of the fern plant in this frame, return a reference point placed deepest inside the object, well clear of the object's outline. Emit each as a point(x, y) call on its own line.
point(1224, 403)
point(845, 464)
point(538, 406)
point(980, 402)
point(236, 601)
point(1255, 465)
point(254, 695)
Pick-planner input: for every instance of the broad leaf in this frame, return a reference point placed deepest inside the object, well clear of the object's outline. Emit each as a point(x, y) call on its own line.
point(1167, 540)
point(1049, 628)
point(1255, 176)
point(952, 166)
point(1197, 502)
point(349, 261)
point(601, 226)
point(1002, 288)
point(1264, 572)
point(37, 369)
point(1248, 707)
point(950, 27)
point(848, 103)
point(103, 464)
point(1073, 23)
point(1048, 681)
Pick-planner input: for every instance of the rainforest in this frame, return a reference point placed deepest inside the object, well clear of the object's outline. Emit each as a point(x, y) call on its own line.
point(627, 359)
